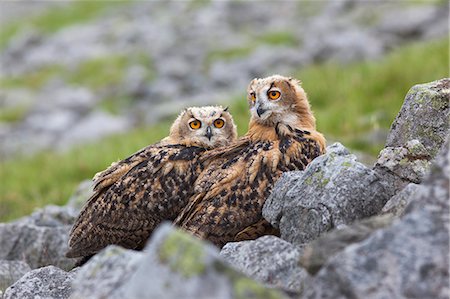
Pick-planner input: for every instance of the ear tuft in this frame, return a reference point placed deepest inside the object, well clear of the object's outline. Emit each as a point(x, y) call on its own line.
point(188, 111)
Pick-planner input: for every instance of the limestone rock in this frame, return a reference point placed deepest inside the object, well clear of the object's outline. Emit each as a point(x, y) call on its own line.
point(273, 207)
point(81, 195)
point(269, 260)
point(93, 126)
point(10, 272)
point(173, 265)
point(399, 166)
point(105, 273)
point(408, 259)
point(181, 266)
point(416, 135)
point(423, 116)
point(333, 190)
point(39, 239)
point(47, 282)
point(398, 203)
point(318, 252)
point(51, 216)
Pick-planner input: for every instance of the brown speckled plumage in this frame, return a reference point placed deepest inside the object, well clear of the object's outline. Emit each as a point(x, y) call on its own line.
point(134, 195)
point(230, 192)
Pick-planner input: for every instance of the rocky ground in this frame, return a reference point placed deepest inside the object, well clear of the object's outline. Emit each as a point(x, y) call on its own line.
point(153, 63)
point(347, 231)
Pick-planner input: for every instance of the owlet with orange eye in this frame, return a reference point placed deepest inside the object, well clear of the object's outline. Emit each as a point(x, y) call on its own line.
point(134, 195)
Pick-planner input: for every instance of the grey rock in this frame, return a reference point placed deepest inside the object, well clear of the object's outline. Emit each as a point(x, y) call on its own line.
point(94, 126)
point(269, 260)
point(438, 28)
point(408, 259)
point(424, 116)
point(106, 272)
point(52, 122)
point(135, 81)
point(39, 240)
point(411, 22)
point(434, 196)
point(57, 95)
point(57, 109)
point(50, 216)
point(318, 252)
point(273, 208)
point(173, 265)
point(344, 45)
point(12, 11)
point(48, 282)
point(399, 166)
point(83, 191)
point(416, 135)
point(10, 272)
point(332, 191)
point(398, 203)
point(181, 266)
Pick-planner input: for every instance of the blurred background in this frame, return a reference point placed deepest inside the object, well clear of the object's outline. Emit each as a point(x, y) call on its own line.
point(85, 83)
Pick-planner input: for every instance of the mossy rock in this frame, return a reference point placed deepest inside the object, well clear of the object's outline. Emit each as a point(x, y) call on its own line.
point(183, 254)
point(424, 116)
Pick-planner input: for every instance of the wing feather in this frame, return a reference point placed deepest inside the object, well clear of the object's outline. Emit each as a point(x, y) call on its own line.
point(117, 169)
point(126, 212)
point(232, 189)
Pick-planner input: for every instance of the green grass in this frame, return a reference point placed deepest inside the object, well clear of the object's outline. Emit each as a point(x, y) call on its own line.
point(57, 18)
point(229, 53)
point(13, 114)
point(99, 72)
point(33, 80)
point(274, 38)
point(278, 38)
point(96, 73)
point(349, 101)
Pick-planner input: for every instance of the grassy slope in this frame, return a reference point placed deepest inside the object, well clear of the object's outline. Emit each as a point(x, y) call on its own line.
point(57, 18)
point(349, 101)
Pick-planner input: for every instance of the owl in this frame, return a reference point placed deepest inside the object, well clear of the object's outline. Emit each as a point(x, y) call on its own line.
point(133, 196)
point(231, 190)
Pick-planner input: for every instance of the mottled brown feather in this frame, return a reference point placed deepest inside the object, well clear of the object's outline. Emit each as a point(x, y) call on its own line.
point(127, 212)
point(230, 192)
point(232, 189)
point(109, 176)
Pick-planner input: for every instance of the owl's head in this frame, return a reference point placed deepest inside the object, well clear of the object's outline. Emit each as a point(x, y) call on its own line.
point(207, 126)
point(277, 99)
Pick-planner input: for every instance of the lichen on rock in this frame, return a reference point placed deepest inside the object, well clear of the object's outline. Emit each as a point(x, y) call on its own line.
point(417, 133)
point(331, 191)
point(183, 254)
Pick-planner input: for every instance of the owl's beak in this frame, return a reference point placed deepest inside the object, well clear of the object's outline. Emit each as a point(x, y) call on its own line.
point(260, 110)
point(208, 132)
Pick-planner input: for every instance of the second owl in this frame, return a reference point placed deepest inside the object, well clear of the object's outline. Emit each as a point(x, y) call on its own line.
point(134, 195)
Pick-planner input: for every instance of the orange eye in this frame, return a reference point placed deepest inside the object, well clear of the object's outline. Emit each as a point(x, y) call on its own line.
point(274, 94)
point(218, 123)
point(253, 96)
point(195, 124)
